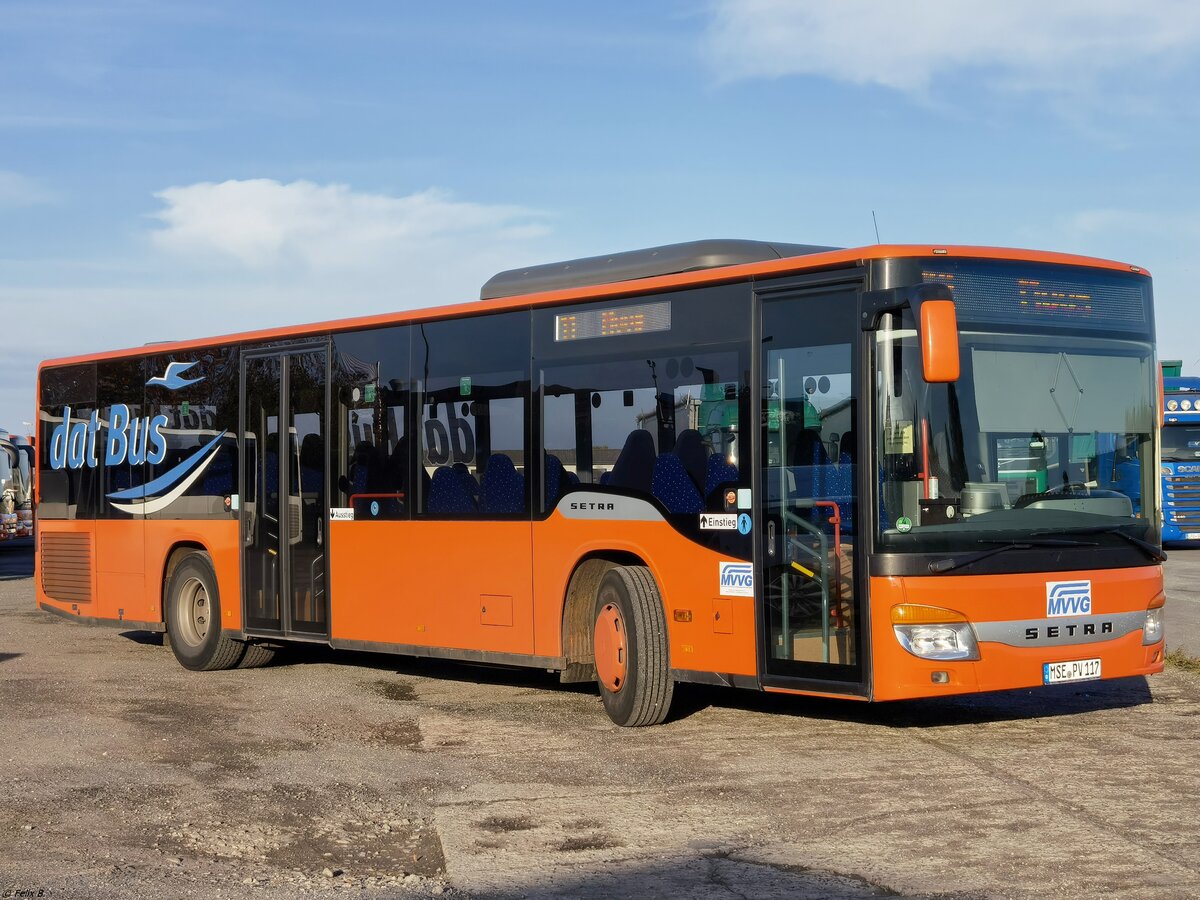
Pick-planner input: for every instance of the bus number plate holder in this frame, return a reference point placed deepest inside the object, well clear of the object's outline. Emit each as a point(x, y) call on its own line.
point(1074, 670)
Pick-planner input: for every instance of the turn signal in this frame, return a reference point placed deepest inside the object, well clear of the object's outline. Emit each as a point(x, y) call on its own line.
point(916, 614)
point(1160, 599)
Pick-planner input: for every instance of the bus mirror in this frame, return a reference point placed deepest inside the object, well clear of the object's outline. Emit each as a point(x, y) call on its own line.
point(939, 341)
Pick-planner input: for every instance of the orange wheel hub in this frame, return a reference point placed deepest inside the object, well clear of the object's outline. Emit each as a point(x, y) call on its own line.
point(610, 646)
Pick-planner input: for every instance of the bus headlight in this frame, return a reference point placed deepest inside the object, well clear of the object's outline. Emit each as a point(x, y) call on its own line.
point(1152, 630)
point(1172, 405)
point(1185, 404)
point(931, 632)
point(955, 641)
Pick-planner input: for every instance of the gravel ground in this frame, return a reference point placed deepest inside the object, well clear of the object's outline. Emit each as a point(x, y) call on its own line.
point(124, 775)
point(1183, 599)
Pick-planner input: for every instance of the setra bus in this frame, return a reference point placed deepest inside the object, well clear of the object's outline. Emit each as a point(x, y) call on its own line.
point(1181, 459)
point(875, 474)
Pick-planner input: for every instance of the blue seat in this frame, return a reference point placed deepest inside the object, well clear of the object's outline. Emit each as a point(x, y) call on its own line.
point(689, 447)
point(271, 473)
point(839, 487)
point(673, 486)
point(218, 480)
point(554, 481)
point(468, 480)
point(503, 487)
point(362, 468)
point(448, 493)
point(634, 468)
point(312, 464)
point(720, 472)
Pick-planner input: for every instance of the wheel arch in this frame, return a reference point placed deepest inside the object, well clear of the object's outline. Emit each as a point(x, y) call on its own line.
point(579, 662)
point(175, 554)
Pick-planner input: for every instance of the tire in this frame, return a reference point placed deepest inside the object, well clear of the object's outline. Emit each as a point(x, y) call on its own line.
point(256, 655)
point(194, 618)
point(630, 644)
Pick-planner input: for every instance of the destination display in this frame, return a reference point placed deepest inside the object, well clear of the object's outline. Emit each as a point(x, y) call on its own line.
point(1024, 293)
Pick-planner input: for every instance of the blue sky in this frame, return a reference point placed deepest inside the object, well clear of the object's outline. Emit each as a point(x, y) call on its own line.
point(176, 169)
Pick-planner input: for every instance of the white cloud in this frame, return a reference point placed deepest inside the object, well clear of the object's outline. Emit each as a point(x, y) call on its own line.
point(261, 223)
point(243, 255)
point(18, 191)
point(1057, 46)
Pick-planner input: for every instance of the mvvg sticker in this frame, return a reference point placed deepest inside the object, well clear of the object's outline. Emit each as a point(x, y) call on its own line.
point(737, 579)
point(1068, 598)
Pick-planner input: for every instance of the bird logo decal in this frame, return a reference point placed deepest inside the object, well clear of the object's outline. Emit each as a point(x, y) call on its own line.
point(173, 379)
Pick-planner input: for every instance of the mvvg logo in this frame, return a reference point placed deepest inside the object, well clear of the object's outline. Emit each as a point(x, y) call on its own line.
point(1068, 598)
point(737, 579)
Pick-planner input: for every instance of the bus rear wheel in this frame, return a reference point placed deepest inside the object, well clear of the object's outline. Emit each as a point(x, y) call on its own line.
point(632, 653)
point(194, 617)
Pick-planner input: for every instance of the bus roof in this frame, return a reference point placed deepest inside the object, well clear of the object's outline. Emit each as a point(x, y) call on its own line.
point(726, 261)
point(631, 265)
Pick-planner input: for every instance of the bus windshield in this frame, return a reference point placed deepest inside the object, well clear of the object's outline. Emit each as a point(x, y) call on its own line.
point(1041, 435)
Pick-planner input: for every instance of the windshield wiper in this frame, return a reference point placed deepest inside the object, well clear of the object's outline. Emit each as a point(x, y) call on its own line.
point(953, 562)
point(1155, 553)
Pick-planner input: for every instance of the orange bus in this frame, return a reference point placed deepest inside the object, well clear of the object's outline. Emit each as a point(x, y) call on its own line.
point(872, 474)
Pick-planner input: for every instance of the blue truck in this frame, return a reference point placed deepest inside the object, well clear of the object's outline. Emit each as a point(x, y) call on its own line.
point(1181, 460)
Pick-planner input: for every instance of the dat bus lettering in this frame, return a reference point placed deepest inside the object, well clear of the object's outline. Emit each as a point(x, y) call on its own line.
point(130, 439)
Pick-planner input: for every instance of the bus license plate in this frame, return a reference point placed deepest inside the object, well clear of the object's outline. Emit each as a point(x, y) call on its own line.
point(1075, 670)
point(1193, 536)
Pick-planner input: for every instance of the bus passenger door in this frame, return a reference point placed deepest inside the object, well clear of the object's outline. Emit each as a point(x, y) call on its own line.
point(283, 491)
point(811, 524)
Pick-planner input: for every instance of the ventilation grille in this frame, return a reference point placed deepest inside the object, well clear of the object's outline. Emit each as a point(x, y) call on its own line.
point(67, 566)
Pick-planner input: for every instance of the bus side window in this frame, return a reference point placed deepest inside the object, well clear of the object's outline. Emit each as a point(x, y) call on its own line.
point(371, 461)
point(473, 412)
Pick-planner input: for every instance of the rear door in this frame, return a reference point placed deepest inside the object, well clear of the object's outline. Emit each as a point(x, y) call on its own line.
point(285, 474)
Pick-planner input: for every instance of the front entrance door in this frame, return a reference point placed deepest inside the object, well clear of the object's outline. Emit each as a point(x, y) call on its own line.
point(811, 523)
point(283, 492)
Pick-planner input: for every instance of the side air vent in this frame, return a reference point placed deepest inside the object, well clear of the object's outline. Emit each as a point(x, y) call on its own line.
point(67, 566)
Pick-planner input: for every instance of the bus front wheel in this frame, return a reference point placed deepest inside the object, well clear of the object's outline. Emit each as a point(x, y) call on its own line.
point(632, 653)
point(194, 617)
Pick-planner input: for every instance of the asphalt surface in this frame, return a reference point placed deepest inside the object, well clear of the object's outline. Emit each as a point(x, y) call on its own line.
point(124, 775)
